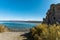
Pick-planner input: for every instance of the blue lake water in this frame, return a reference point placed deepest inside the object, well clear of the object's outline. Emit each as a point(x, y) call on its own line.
point(19, 25)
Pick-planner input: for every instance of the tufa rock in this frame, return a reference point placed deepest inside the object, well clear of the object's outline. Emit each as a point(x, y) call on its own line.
point(53, 14)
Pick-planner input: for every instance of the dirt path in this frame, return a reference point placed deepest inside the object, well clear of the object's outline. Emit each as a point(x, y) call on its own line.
point(12, 36)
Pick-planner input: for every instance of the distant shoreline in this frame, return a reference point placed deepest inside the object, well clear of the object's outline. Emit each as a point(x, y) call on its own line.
point(24, 21)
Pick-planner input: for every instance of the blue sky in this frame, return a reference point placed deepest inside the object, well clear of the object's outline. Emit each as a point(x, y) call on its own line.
point(24, 9)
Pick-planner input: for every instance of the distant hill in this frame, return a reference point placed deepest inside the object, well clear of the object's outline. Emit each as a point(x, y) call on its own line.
point(24, 21)
point(33, 21)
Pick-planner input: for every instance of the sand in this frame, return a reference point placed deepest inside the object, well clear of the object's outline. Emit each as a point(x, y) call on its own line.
point(12, 36)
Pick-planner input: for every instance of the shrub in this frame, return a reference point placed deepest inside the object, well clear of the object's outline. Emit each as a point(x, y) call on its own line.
point(46, 32)
point(3, 28)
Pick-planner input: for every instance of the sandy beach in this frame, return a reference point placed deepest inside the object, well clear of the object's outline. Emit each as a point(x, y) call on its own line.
point(12, 36)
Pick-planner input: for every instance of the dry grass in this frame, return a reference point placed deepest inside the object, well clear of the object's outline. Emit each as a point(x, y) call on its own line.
point(46, 32)
point(3, 28)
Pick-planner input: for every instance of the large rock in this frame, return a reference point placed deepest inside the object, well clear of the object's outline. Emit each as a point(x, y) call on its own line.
point(53, 14)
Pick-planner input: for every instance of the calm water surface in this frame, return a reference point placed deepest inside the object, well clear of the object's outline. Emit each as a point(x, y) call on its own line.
point(19, 25)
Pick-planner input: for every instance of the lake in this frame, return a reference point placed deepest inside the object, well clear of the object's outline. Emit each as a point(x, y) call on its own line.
point(19, 26)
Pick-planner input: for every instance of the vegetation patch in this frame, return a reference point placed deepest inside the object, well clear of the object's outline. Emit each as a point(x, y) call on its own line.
point(45, 32)
point(3, 28)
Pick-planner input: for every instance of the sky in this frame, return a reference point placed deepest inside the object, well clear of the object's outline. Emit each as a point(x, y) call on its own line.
point(25, 9)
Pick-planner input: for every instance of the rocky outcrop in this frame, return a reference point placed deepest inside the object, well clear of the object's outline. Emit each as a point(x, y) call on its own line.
point(53, 14)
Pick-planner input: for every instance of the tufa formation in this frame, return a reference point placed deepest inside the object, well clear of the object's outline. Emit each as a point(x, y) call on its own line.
point(53, 14)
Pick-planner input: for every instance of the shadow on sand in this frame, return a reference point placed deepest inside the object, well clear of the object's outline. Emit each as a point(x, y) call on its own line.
point(27, 36)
